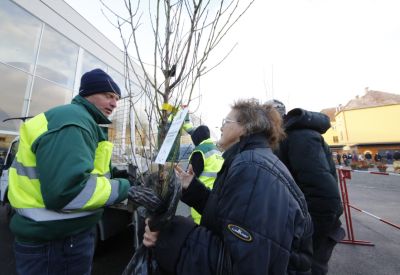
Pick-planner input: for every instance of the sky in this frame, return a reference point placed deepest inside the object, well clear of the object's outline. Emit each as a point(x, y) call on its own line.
point(312, 54)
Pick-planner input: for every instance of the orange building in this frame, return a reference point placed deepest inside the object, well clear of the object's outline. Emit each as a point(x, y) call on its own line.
point(369, 123)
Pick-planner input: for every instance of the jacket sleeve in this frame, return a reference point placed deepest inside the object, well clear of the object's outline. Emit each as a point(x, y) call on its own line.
point(311, 169)
point(197, 163)
point(184, 248)
point(196, 195)
point(65, 159)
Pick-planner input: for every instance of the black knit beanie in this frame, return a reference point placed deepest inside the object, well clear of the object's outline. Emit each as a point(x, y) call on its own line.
point(200, 134)
point(97, 81)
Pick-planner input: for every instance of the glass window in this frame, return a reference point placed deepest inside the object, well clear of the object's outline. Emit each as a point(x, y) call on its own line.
point(19, 32)
point(136, 90)
point(119, 79)
point(119, 133)
point(14, 86)
point(46, 95)
point(57, 58)
point(145, 130)
point(90, 62)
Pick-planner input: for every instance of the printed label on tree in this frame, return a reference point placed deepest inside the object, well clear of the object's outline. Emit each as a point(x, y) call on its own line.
point(171, 136)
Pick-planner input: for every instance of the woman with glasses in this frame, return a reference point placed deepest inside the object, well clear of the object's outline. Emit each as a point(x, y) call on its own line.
point(254, 220)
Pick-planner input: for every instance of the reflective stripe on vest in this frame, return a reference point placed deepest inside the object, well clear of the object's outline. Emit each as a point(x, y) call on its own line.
point(212, 152)
point(29, 172)
point(209, 174)
point(43, 214)
point(114, 192)
point(84, 196)
point(24, 185)
point(87, 198)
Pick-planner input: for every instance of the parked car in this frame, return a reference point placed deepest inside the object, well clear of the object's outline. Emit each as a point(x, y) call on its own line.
point(11, 152)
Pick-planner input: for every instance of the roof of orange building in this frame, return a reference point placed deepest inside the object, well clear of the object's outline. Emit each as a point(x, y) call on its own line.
point(369, 99)
point(372, 99)
point(330, 112)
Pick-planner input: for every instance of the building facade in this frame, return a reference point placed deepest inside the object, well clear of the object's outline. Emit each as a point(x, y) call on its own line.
point(45, 47)
point(371, 126)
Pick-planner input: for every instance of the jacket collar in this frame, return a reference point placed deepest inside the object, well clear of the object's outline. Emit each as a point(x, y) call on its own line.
point(248, 142)
point(206, 141)
point(97, 115)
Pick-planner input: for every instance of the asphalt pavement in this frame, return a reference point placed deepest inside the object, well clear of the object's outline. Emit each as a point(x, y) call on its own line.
point(7, 261)
point(376, 194)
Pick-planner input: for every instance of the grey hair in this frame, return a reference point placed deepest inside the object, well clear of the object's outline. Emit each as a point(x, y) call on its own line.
point(278, 105)
point(260, 118)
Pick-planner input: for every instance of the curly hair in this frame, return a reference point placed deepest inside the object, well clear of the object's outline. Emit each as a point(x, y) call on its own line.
point(260, 118)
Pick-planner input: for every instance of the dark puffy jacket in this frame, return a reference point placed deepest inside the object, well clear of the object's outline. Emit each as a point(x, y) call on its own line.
point(309, 159)
point(254, 221)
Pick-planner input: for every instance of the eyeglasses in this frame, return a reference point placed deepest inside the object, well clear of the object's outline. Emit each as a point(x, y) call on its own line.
point(227, 120)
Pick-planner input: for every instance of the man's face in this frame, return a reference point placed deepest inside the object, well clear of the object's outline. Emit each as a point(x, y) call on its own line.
point(106, 102)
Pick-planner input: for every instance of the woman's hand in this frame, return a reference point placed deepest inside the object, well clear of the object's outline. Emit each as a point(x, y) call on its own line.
point(149, 237)
point(184, 177)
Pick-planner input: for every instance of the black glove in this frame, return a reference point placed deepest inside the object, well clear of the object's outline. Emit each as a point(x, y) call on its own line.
point(159, 209)
point(167, 210)
point(117, 173)
point(146, 197)
point(129, 174)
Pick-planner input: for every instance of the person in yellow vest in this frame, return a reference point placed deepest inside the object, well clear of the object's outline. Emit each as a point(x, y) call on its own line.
point(60, 181)
point(206, 161)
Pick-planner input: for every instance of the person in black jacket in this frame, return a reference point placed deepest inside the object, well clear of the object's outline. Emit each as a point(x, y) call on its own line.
point(254, 220)
point(339, 159)
point(309, 159)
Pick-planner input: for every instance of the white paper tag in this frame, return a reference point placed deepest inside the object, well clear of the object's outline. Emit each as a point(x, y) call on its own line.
point(171, 136)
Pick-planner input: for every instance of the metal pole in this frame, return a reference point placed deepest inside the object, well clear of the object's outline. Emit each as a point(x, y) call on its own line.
point(376, 217)
point(343, 174)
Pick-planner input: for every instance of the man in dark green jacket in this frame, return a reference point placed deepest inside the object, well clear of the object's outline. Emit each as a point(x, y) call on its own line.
point(60, 181)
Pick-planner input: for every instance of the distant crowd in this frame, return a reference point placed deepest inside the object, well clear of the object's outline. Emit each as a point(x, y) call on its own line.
point(389, 157)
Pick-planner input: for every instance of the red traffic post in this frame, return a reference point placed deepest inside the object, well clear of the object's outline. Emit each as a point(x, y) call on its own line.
point(343, 175)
